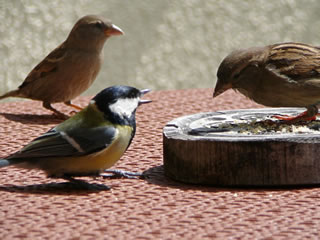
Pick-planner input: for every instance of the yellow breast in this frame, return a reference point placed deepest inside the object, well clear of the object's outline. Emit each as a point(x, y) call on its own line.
point(94, 162)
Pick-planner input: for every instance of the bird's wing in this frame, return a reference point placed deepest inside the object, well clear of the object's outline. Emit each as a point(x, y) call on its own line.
point(61, 144)
point(47, 66)
point(297, 62)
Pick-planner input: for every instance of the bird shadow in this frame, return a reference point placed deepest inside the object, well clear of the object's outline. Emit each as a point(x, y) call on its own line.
point(42, 119)
point(63, 188)
point(156, 175)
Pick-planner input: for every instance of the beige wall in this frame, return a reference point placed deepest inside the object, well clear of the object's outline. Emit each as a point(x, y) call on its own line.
point(169, 44)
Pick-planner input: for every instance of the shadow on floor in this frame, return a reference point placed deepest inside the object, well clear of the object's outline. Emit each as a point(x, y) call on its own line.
point(64, 188)
point(23, 118)
point(156, 175)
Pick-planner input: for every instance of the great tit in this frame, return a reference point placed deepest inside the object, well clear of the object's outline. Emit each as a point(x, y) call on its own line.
point(88, 143)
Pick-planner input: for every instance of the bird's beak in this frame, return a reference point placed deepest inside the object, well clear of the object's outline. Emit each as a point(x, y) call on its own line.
point(220, 88)
point(143, 92)
point(113, 31)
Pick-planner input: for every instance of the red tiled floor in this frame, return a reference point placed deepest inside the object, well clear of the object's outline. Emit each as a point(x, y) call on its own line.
point(34, 207)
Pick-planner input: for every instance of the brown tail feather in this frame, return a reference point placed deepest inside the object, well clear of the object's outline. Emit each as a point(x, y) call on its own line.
point(13, 93)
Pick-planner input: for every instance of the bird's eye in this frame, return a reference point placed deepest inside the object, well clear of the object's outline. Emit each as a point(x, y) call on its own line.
point(113, 101)
point(99, 25)
point(236, 76)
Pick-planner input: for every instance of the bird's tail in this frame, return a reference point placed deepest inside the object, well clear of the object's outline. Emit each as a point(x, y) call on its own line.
point(4, 163)
point(13, 93)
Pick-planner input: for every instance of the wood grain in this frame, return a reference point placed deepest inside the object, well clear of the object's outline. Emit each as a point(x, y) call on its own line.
point(238, 160)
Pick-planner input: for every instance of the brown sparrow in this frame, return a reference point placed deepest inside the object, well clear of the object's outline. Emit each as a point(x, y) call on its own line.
point(71, 68)
point(279, 75)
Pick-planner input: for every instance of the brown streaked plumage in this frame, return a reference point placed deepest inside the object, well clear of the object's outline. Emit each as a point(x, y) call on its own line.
point(279, 75)
point(71, 68)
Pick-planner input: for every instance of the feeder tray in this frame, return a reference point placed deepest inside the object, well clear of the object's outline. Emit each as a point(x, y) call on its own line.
point(242, 148)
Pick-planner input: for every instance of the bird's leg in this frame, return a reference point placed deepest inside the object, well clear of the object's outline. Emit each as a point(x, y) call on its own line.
point(68, 103)
point(309, 115)
point(115, 173)
point(48, 106)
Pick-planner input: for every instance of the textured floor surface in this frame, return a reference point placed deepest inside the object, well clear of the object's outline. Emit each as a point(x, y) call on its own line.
point(33, 207)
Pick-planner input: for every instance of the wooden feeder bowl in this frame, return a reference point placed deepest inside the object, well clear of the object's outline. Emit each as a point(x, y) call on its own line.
point(216, 148)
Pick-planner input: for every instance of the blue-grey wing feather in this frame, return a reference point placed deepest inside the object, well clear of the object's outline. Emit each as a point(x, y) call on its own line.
point(100, 138)
point(55, 144)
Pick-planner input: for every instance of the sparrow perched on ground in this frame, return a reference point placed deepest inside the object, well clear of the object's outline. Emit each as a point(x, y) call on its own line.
point(279, 75)
point(89, 142)
point(71, 68)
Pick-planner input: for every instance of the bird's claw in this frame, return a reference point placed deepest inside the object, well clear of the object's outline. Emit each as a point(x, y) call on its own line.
point(294, 119)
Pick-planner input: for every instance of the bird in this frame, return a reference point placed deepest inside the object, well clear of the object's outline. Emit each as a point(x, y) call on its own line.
point(71, 68)
point(88, 143)
point(277, 75)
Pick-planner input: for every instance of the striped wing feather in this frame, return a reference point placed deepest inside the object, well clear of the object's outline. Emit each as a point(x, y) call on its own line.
point(295, 61)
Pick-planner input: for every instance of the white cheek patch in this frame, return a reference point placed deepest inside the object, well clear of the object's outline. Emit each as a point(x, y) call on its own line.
point(124, 106)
